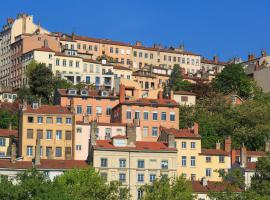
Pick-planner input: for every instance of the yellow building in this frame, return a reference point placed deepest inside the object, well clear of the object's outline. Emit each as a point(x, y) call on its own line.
point(7, 137)
point(52, 126)
point(193, 161)
point(134, 163)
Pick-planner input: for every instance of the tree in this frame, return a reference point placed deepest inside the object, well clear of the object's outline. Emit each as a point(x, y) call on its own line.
point(170, 189)
point(7, 118)
point(233, 79)
point(176, 82)
point(62, 84)
point(41, 81)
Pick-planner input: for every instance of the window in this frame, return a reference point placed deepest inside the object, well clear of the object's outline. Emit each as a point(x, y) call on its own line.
point(79, 130)
point(58, 152)
point(49, 120)
point(77, 64)
point(64, 62)
point(135, 53)
point(68, 151)
point(78, 147)
point(152, 178)
point(2, 142)
point(30, 119)
point(59, 120)
point(40, 119)
point(68, 120)
point(172, 117)
point(192, 145)
point(137, 114)
point(29, 151)
point(103, 162)
point(122, 177)
point(151, 56)
point(184, 98)
point(208, 159)
point(78, 46)
point(122, 163)
point(58, 135)
point(145, 131)
point(71, 63)
point(57, 62)
point(192, 161)
point(140, 54)
point(140, 164)
point(111, 49)
point(184, 161)
point(68, 135)
point(29, 133)
point(208, 172)
point(89, 110)
point(154, 131)
point(49, 134)
point(48, 151)
point(104, 175)
point(184, 145)
point(155, 116)
point(164, 164)
point(146, 55)
point(128, 114)
point(140, 178)
point(99, 110)
point(108, 133)
point(116, 50)
point(139, 194)
point(145, 115)
point(88, 79)
point(163, 116)
point(221, 159)
point(108, 111)
point(39, 133)
point(79, 109)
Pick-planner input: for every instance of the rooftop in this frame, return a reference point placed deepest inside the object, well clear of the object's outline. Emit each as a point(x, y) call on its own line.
point(181, 133)
point(48, 109)
point(184, 93)
point(139, 146)
point(212, 186)
point(214, 152)
point(8, 133)
point(152, 102)
point(252, 153)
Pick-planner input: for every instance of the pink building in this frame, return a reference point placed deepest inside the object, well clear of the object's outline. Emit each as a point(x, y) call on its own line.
point(148, 114)
point(96, 105)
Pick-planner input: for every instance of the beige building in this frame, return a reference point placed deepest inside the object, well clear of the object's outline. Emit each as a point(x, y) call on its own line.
point(132, 162)
point(7, 138)
point(23, 24)
point(185, 98)
point(50, 127)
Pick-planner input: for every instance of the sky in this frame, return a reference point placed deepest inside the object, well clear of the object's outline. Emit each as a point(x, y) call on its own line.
point(226, 28)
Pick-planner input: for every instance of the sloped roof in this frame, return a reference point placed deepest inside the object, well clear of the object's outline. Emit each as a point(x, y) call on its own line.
point(48, 109)
point(181, 133)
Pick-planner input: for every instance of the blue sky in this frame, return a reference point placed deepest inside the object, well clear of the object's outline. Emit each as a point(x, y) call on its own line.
point(226, 28)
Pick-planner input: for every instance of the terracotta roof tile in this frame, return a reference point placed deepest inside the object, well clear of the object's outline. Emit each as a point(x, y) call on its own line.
point(214, 152)
point(46, 49)
point(139, 146)
point(8, 133)
point(184, 93)
point(121, 68)
point(119, 137)
point(45, 164)
point(251, 166)
point(253, 153)
point(181, 133)
point(204, 60)
point(152, 102)
point(212, 186)
point(48, 109)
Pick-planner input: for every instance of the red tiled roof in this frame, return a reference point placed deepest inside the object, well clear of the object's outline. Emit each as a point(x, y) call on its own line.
point(121, 68)
point(214, 152)
point(184, 93)
point(181, 133)
point(251, 166)
point(90, 60)
point(119, 137)
point(48, 109)
point(253, 153)
point(212, 186)
point(204, 60)
point(152, 102)
point(45, 164)
point(110, 124)
point(139, 146)
point(67, 39)
point(7, 133)
point(46, 49)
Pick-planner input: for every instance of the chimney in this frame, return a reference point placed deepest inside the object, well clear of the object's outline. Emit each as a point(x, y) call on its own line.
point(13, 152)
point(204, 182)
point(73, 36)
point(228, 144)
point(37, 153)
point(263, 53)
point(250, 57)
point(196, 128)
point(257, 66)
point(217, 145)
point(171, 95)
point(233, 156)
point(93, 132)
point(72, 107)
point(122, 93)
point(131, 134)
point(160, 95)
point(138, 44)
point(215, 59)
point(243, 156)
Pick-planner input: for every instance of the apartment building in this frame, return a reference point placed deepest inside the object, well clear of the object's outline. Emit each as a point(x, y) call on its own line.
point(134, 163)
point(7, 94)
point(50, 127)
point(214, 65)
point(23, 24)
point(185, 98)
point(7, 138)
point(96, 104)
point(193, 161)
point(148, 114)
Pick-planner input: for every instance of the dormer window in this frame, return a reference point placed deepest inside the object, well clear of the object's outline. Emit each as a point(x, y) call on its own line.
point(35, 105)
point(72, 92)
point(84, 92)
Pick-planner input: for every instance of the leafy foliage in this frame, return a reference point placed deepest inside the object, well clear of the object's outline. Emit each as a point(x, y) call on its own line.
point(7, 118)
point(171, 189)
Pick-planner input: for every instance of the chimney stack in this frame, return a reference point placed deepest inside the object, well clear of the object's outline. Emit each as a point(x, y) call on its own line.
point(263, 53)
point(131, 134)
point(122, 93)
point(217, 145)
point(243, 156)
point(257, 66)
point(196, 128)
point(228, 144)
point(171, 95)
point(138, 44)
point(215, 59)
point(37, 153)
point(73, 36)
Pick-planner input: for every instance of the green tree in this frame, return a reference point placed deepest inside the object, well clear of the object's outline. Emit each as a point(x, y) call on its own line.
point(233, 79)
point(7, 118)
point(176, 82)
point(61, 83)
point(170, 189)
